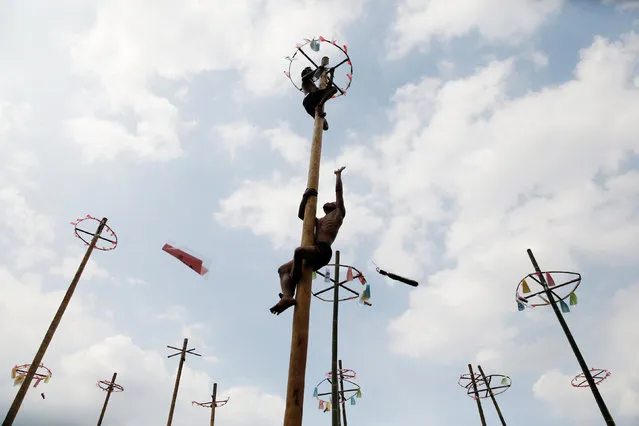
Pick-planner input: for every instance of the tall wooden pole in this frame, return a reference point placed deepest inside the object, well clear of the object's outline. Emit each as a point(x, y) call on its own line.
point(177, 382)
point(334, 380)
point(213, 404)
point(37, 360)
point(573, 344)
point(106, 400)
point(301, 315)
point(492, 396)
point(481, 412)
point(341, 384)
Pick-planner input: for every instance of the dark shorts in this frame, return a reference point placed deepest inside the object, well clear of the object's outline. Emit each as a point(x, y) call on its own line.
point(312, 100)
point(325, 255)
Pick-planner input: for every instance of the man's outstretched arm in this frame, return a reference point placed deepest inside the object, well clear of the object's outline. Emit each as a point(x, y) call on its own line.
point(339, 190)
point(309, 192)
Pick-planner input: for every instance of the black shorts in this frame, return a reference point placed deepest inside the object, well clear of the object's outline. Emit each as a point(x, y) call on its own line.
point(313, 99)
point(325, 255)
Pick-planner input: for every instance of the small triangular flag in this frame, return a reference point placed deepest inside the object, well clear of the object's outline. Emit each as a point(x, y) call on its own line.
point(352, 400)
point(361, 279)
point(359, 393)
point(349, 274)
point(315, 393)
point(321, 405)
point(573, 299)
point(520, 306)
point(327, 407)
point(367, 292)
point(504, 381)
point(13, 372)
point(549, 279)
point(327, 276)
point(46, 379)
point(19, 379)
point(524, 287)
point(314, 275)
point(564, 307)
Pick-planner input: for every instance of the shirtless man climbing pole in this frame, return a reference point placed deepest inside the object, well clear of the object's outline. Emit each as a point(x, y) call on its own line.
point(317, 255)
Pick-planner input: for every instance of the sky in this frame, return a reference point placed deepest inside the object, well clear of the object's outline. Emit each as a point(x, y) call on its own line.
point(473, 130)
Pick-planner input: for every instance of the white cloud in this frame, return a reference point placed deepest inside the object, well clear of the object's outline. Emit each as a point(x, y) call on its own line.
point(417, 22)
point(69, 266)
point(124, 53)
point(236, 135)
point(540, 60)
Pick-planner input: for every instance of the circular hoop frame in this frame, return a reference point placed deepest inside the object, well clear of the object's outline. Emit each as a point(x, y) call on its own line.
point(40, 375)
point(80, 233)
point(525, 297)
point(341, 398)
point(105, 385)
point(344, 373)
point(483, 386)
point(210, 403)
point(343, 49)
point(357, 274)
point(598, 375)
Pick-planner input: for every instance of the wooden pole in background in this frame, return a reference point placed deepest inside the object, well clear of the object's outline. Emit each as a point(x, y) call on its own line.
point(492, 396)
point(573, 344)
point(301, 315)
point(106, 400)
point(481, 412)
point(341, 383)
point(334, 379)
point(213, 404)
point(37, 360)
point(182, 352)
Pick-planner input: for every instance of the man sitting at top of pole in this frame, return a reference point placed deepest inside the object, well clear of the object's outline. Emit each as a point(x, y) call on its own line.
point(317, 255)
point(315, 97)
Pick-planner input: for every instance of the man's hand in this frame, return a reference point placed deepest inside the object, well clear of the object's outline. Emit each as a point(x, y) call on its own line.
point(339, 171)
point(309, 192)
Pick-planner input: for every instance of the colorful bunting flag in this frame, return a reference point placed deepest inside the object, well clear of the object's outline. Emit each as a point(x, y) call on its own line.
point(564, 307)
point(573, 299)
point(520, 306)
point(352, 400)
point(524, 287)
point(315, 45)
point(321, 404)
point(327, 276)
point(327, 407)
point(361, 279)
point(315, 393)
point(13, 372)
point(359, 393)
point(19, 379)
point(550, 280)
point(314, 275)
point(349, 274)
point(504, 381)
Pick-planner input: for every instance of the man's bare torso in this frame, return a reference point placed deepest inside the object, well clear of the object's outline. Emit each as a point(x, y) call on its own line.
point(328, 226)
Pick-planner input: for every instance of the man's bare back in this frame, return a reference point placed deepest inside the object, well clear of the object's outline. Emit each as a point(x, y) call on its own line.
point(317, 255)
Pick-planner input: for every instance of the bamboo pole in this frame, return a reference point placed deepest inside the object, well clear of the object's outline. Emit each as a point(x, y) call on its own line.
point(573, 344)
point(481, 412)
point(492, 396)
point(106, 400)
point(334, 380)
point(37, 360)
point(341, 383)
point(301, 315)
point(177, 382)
point(213, 404)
